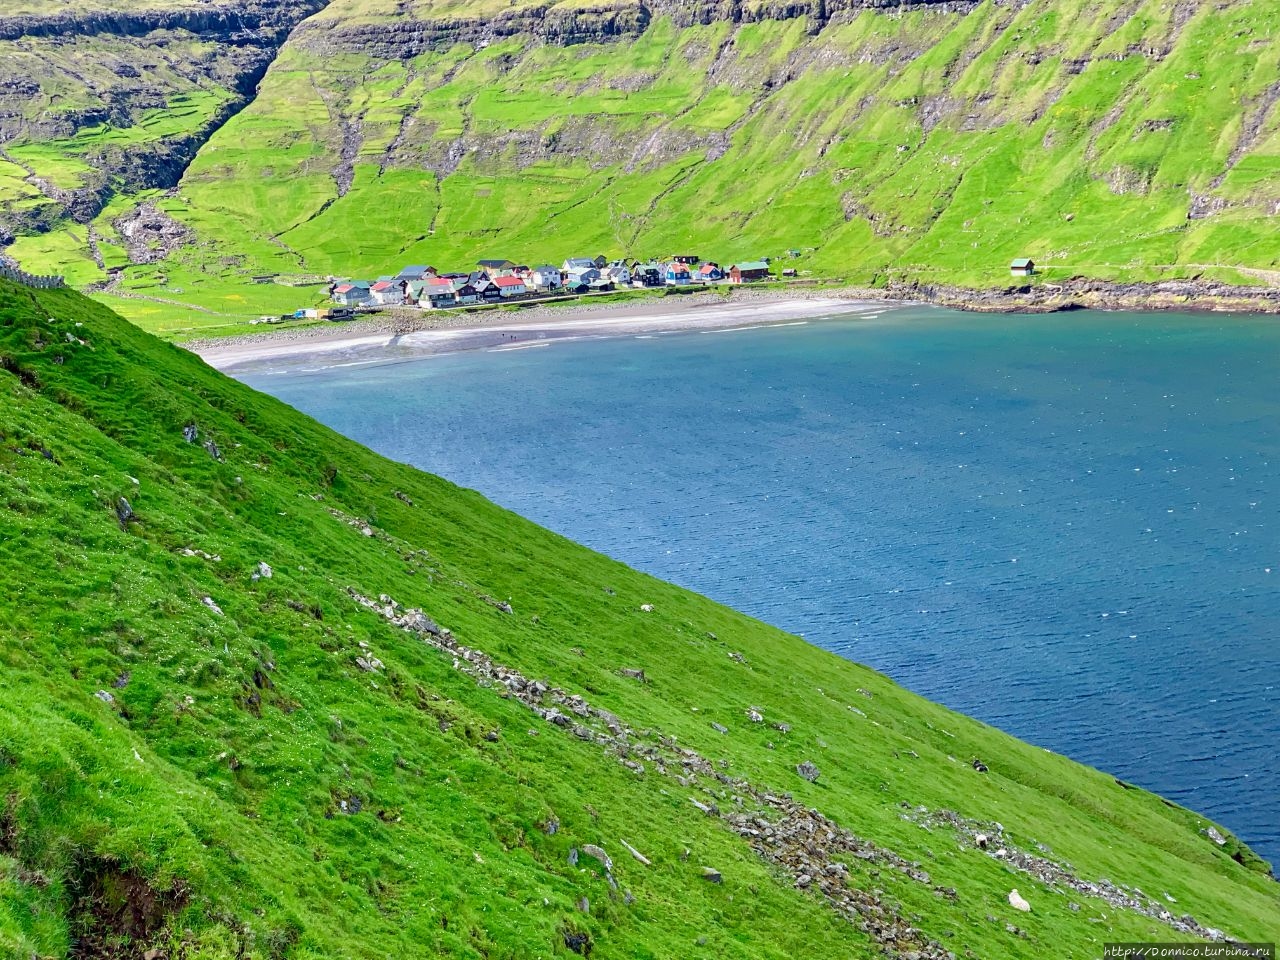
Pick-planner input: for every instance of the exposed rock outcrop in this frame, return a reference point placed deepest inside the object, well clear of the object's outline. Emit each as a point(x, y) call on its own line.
point(234, 44)
point(150, 234)
point(406, 37)
point(260, 22)
point(802, 843)
point(1084, 293)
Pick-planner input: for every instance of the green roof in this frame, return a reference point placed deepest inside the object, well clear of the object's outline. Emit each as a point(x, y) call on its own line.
point(753, 265)
point(1021, 262)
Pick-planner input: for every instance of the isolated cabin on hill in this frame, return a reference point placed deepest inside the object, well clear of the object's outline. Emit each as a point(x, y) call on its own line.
point(1022, 267)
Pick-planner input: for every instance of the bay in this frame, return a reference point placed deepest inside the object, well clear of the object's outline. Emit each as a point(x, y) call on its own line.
point(1066, 525)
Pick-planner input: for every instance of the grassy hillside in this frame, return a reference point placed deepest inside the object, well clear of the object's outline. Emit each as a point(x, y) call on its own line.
point(1126, 140)
point(208, 757)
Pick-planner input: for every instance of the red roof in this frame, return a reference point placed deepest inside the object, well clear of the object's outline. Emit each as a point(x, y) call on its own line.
point(382, 285)
point(440, 282)
point(509, 282)
point(345, 288)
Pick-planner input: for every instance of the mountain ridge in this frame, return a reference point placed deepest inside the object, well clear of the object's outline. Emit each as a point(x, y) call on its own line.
point(232, 46)
point(926, 143)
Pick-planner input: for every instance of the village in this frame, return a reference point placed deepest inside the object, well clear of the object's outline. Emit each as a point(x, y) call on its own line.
point(494, 281)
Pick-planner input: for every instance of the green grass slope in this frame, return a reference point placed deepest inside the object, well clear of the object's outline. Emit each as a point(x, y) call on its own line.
point(1124, 140)
point(199, 762)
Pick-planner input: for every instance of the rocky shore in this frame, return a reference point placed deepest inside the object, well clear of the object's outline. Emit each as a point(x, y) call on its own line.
point(1081, 293)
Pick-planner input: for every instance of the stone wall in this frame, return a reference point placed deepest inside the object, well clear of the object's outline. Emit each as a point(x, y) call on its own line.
point(30, 279)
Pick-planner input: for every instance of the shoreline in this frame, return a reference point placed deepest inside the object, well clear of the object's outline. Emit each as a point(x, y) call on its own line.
point(1081, 293)
point(412, 334)
point(409, 332)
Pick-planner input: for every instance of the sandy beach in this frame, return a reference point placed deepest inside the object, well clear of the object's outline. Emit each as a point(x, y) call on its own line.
point(409, 334)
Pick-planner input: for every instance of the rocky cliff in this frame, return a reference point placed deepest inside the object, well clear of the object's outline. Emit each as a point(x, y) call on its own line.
point(913, 142)
point(69, 76)
point(565, 25)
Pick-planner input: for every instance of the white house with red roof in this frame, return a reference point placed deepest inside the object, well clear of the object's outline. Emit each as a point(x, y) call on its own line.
point(510, 286)
point(351, 293)
point(388, 291)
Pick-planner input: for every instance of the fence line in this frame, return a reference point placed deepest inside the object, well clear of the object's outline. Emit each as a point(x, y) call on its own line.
point(31, 279)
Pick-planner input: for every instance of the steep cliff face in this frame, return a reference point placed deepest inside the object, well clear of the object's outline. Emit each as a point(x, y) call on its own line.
point(252, 21)
point(1128, 139)
point(96, 102)
point(416, 32)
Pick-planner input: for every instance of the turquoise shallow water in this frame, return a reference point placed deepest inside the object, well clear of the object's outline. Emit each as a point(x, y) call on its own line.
point(1068, 526)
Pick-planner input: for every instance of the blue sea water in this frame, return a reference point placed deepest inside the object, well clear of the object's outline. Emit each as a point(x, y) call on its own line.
point(1067, 526)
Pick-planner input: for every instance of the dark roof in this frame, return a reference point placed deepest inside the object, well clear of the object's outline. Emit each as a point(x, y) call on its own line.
point(496, 264)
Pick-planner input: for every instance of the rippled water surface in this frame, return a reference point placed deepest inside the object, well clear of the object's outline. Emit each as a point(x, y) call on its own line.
point(1067, 526)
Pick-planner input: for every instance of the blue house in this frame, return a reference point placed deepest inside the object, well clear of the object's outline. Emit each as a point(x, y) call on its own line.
point(677, 274)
